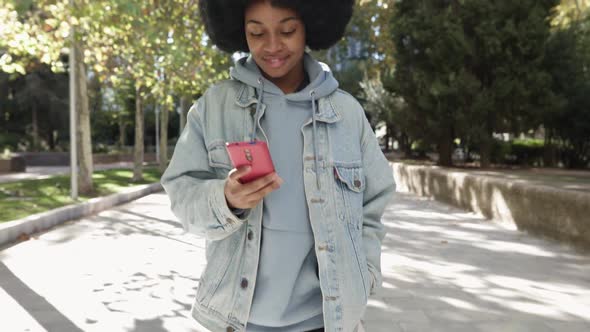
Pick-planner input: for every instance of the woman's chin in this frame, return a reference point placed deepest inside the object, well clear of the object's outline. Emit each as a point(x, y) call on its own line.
point(275, 73)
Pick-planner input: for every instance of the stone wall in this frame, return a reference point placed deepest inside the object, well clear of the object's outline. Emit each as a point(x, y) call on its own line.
point(559, 214)
point(14, 164)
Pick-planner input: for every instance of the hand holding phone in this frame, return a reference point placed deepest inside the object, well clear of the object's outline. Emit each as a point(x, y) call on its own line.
point(254, 154)
point(255, 175)
point(248, 195)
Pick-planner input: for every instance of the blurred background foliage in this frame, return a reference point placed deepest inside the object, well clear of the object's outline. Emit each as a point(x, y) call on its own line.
point(459, 81)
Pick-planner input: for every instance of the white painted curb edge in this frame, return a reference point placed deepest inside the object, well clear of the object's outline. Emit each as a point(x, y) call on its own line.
point(10, 231)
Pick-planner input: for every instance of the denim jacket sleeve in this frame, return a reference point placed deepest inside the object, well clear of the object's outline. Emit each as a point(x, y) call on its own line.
point(378, 192)
point(196, 193)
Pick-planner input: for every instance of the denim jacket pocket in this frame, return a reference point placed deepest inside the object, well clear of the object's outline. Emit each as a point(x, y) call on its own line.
point(356, 237)
point(218, 255)
point(350, 184)
point(219, 158)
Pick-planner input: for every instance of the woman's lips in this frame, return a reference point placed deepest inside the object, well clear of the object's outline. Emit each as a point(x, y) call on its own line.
point(276, 62)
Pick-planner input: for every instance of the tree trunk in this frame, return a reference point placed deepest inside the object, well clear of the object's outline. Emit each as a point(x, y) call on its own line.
point(486, 143)
point(445, 149)
point(183, 110)
point(549, 151)
point(35, 127)
point(122, 134)
point(51, 138)
point(388, 135)
point(406, 146)
point(485, 152)
point(138, 147)
point(164, 115)
point(83, 133)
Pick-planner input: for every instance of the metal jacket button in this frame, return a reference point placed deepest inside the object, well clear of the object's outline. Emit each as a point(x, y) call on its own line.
point(244, 283)
point(250, 235)
point(357, 183)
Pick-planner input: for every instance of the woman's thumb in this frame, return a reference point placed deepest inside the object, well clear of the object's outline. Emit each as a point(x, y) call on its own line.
point(243, 170)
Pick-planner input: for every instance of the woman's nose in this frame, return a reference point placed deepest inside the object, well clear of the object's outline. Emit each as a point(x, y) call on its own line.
point(274, 44)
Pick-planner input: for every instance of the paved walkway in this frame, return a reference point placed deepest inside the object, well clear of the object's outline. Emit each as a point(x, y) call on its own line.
point(132, 269)
point(43, 172)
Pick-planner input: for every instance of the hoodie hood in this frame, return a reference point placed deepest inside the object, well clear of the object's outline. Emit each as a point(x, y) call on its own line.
point(322, 83)
point(321, 80)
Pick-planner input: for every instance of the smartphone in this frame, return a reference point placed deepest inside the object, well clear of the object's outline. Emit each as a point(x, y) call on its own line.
point(253, 153)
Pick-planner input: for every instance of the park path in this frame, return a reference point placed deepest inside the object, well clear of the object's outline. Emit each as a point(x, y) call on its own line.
point(132, 268)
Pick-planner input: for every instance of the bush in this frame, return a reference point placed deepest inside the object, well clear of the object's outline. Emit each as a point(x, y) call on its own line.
point(528, 151)
point(419, 150)
point(501, 153)
point(9, 141)
point(525, 152)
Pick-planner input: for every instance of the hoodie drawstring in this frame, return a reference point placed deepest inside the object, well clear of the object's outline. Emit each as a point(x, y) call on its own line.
point(258, 103)
point(315, 146)
point(313, 117)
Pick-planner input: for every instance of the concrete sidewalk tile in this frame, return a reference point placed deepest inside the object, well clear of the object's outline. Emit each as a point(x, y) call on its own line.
point(382, 326)
point(462, 315)
point(572, 326)
point(389, 315)
point(514, 326)
point(438, 327)
point(414, 304)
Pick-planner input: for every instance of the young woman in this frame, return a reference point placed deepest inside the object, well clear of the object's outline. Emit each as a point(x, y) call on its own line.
point(298, 249)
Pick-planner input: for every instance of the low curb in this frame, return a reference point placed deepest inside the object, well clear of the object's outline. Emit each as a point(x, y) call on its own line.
point(11, 231)
point(541, 210)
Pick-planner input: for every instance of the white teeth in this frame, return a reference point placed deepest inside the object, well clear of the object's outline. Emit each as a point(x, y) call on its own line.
point(275, 62)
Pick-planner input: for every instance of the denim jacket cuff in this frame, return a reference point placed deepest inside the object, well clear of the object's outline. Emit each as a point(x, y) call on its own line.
point(240, 213)
point(221, 210)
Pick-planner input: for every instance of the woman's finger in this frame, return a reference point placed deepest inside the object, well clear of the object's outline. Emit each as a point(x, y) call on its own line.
point(239, 172)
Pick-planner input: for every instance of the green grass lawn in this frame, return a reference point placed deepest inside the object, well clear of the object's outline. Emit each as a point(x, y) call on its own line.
point(22, 198)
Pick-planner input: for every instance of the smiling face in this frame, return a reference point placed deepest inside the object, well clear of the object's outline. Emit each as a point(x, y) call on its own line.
point(276, 40)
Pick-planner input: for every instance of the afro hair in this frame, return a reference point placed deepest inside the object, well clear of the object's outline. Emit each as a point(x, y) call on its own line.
point(324, 20)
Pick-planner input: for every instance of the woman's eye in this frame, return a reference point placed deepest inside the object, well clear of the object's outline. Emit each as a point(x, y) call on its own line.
point(284, 33)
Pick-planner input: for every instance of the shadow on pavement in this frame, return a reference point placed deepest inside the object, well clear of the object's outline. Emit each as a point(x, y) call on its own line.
point(445, 269)
point(34, 304)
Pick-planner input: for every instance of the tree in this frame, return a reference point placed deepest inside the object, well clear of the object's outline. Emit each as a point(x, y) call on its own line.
point(471, 68)
point(429, 48)
point(165, 53)
point(384, 105)
point(567, 122)
point(35, 33)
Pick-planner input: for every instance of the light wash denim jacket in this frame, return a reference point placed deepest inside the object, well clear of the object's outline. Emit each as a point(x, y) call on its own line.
point(348, 183)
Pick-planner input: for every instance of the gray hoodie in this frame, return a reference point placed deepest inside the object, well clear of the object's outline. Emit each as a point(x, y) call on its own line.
point(322, 84)
point(287, 295)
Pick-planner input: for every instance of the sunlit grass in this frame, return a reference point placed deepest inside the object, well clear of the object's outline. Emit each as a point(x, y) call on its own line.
point(22, 198)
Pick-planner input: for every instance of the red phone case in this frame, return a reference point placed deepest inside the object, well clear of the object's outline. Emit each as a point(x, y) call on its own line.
point(253, 153)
